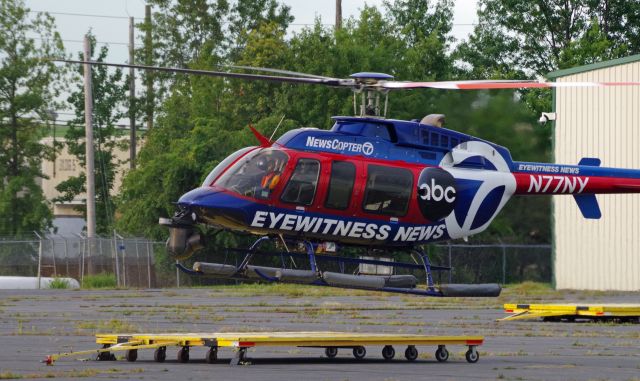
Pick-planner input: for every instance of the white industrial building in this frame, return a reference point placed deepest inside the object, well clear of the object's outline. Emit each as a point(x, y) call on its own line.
point(599, 122)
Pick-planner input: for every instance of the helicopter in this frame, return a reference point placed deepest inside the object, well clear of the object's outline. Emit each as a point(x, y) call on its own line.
point(369, 182)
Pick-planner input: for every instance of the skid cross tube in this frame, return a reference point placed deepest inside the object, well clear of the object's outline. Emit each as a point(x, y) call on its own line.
point(312, 255)
point(427, 268)
point(252, 250)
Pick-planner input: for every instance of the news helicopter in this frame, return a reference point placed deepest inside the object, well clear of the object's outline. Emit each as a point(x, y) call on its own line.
point(371, 182)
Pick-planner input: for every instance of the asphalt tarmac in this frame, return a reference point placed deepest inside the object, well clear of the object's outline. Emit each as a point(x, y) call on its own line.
point(34, 324)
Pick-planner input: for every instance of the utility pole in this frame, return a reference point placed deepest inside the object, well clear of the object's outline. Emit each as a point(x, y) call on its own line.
point(148, 48)
point(132, 99)
point(88, 131)
point(53, 116)
point(338, 14)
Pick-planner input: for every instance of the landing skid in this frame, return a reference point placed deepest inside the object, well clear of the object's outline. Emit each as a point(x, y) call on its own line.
point(404, 284)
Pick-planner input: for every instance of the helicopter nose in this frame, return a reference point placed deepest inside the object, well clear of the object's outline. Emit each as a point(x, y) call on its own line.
point(199, 197)
point(213, 206)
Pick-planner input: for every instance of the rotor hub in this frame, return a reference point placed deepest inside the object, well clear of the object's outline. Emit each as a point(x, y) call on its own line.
point(368, 83)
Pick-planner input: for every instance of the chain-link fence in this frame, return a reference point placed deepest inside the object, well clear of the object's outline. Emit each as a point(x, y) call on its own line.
point(493, 263)
point(143, 263)
point(133, 262)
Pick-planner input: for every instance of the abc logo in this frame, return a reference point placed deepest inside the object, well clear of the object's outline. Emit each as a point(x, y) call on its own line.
point(436, 193)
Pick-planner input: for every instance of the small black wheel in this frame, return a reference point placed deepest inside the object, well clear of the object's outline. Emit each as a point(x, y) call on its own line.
point(160, 354)
point(359, 352)
point(472, 356)
point(183, 354)
point(132, 355)
point(104, 356)
point(331, 352)
point(212, 355)
point(388, 352)
point(242, 355)
point(442, 354)
point(411, 353)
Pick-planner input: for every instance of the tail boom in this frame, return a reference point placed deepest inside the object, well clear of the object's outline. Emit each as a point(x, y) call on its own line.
point(583, 181)
point(538, 178)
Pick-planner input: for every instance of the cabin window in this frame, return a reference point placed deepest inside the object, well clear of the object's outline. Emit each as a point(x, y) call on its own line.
point(434, 139)
point(444, 141)
point(388, 190)
point(343, 175)
point(301, 188)
point(255, 175)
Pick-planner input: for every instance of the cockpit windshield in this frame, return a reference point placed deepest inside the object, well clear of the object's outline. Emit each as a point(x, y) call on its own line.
point(255, 175)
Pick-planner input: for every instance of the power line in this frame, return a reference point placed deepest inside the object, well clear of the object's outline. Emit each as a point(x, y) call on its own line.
point(97, 42)
point(86, 15)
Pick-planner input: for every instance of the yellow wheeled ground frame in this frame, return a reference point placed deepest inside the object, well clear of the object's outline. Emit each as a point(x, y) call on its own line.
point(330, 341)
point(570, 312)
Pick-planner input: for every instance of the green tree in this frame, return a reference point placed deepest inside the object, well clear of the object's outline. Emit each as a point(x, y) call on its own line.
point(248, 16)
point(202, 34)
point(536, 37)
point(109, 98)
point(26, 92)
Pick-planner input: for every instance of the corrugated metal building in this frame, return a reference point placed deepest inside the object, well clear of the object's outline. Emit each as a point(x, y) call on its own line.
point(599, 254)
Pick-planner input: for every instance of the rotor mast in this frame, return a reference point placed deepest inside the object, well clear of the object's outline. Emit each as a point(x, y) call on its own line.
point(370, 91)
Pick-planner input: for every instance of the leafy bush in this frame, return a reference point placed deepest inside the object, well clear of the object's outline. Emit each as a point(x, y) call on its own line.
point(102, 280)
point(59, 283)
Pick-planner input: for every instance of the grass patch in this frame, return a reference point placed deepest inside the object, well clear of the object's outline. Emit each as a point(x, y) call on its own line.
point(284, 289)
point(102, 280)
point(110, 325)
point(59, 283)
point(530, 289)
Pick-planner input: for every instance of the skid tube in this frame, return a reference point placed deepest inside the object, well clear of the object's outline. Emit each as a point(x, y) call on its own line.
point(331, 342)
point(405, 284)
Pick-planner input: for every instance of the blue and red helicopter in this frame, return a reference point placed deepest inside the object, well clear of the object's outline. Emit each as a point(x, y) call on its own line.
point(383, 184)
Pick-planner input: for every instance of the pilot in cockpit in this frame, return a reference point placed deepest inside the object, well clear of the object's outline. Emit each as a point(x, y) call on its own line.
point(271, 175)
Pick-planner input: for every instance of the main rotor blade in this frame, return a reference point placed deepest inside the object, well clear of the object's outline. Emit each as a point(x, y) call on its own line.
point(316, 81)
point(497, 84)
point(277, 71)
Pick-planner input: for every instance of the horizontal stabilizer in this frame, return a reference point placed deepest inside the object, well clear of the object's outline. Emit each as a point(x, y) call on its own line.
point(588, 205)
point(591, 161)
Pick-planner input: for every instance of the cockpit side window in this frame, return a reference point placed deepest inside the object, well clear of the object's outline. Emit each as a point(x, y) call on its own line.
point(257, 175)
point(301, 188)
point(388, 190)
point(224, 164)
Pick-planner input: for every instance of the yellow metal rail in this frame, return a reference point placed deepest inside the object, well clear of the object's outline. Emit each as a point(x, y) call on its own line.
point(570, 312)
point(240, 341)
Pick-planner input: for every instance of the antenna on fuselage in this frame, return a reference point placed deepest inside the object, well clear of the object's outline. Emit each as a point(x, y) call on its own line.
point(278, 126)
